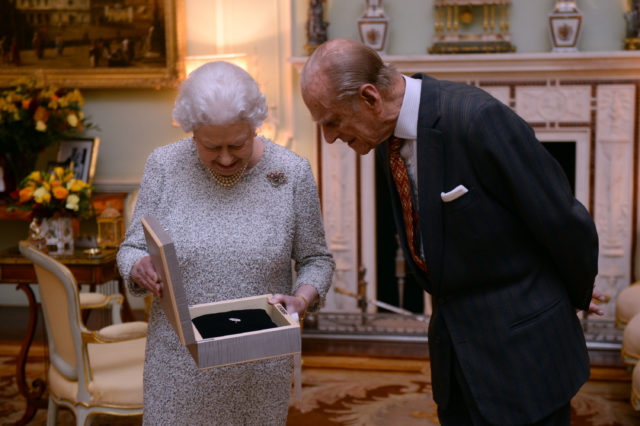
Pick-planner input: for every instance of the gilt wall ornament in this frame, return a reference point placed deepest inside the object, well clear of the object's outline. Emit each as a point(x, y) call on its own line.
point(632, 18)
point(471, 26)
point(316, 26)
point(373, 26)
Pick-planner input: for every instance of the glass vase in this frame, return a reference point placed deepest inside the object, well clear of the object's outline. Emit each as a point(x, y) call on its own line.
point(58, 233)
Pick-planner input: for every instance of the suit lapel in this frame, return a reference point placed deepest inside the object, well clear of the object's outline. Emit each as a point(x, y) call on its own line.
point(430, 153)
point(430, 180)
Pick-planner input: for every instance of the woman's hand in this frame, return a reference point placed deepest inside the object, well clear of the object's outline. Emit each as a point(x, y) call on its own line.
point(292, 304)
point(299, 302)
point(144, 274)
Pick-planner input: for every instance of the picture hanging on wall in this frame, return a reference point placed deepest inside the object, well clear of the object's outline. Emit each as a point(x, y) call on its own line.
point(79, 44)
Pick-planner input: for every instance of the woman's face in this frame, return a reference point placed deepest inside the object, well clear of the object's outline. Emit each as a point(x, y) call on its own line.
point(225, 148)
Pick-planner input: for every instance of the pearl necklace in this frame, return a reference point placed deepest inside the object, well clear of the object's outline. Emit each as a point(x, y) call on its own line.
point(228, 181)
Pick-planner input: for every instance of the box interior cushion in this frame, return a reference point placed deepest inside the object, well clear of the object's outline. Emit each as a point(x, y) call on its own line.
point(232, 322)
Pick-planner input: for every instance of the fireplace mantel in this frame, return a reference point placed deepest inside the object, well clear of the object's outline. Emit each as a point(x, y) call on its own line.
point(499, 66)
point(590, 98)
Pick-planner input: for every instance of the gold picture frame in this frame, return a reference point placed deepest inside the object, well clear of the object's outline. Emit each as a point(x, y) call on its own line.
point(125, 46)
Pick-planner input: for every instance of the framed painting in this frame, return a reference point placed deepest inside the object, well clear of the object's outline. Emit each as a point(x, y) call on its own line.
point(93, 43)
point(83, 153)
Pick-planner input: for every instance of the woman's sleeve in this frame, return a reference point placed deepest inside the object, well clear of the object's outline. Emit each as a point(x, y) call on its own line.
point(313, 262)
point(134, 245)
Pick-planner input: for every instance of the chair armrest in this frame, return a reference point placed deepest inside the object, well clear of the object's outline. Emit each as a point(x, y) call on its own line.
point(93, 300)
point(98, 300)
point(117, 333)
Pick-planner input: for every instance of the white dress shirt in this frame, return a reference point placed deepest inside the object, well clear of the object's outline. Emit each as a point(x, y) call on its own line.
point(407, 128)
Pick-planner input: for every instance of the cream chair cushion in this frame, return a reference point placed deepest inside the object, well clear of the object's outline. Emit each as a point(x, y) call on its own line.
point(91, 299)
point(126, 330)
point(117, 375)
point(631, 341)
point(627, 305)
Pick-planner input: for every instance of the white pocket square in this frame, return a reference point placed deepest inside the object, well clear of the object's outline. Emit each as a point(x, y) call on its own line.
point(456, 192)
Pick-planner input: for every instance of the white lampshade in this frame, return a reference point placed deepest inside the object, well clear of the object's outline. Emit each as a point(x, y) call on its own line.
point(239, 59)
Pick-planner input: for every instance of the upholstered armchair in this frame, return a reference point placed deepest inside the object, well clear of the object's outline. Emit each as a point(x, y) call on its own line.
point(627, 305)
point(90, 372)
point(635, 388)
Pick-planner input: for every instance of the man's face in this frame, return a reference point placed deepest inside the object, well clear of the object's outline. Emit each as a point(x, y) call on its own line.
point(354, 123)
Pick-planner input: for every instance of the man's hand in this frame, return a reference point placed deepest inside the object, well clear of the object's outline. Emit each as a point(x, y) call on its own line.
point(595, 298)
point(144, 274)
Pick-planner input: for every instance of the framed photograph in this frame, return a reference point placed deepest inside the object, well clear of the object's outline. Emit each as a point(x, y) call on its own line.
point(93, 44)
point(83, 153)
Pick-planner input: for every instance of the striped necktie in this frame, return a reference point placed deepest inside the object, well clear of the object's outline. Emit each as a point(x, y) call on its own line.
point(401, 178)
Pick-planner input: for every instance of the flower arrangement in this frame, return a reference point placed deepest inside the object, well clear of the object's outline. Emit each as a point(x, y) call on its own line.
point(34, 116)
point(54, 194)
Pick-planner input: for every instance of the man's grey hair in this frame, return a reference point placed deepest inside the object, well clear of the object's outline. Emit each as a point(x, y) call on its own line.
point(348, 68)
point(219, 93)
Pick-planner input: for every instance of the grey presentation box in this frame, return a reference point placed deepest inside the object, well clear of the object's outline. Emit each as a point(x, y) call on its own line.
point(217, 351)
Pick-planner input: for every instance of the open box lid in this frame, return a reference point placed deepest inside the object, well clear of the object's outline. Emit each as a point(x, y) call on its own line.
point(164, 259)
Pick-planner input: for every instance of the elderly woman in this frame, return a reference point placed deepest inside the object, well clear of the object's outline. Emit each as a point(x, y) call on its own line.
point(239, 208)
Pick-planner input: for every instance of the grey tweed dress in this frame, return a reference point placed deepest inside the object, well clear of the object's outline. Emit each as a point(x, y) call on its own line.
point(231, 243)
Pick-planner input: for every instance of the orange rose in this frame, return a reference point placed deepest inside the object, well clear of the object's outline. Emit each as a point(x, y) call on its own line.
point(26, 194)
point(41, 114)
point(60, 192)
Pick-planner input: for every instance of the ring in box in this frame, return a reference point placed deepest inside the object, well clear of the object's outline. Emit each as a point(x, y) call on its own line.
point(279, 340)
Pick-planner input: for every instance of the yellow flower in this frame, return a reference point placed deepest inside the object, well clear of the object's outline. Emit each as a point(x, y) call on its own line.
point(59, 171)
point(26, 194)
point(42, 195)
point(41, 126)
point(35, 175)
point(72, 120)
point(73, 202)
point(60, 192)
point(76, 185)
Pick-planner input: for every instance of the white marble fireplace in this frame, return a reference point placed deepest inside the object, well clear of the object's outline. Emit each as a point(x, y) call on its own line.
point(586, 98)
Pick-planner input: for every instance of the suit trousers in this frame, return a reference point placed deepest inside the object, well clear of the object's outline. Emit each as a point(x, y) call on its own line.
point(462, 410)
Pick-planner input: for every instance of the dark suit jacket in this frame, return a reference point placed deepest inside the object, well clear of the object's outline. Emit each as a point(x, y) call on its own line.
point(507, 262)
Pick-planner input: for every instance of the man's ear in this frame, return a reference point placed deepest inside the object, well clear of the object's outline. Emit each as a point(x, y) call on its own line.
point(370, 95)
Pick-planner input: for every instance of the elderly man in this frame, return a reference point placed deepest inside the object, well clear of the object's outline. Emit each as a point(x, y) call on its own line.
point(489, 224)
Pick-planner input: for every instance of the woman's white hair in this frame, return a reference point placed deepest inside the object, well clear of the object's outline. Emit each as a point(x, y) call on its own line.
point(219, 93)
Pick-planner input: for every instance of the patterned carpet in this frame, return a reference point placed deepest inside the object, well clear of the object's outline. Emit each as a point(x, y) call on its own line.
point(353, 391)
